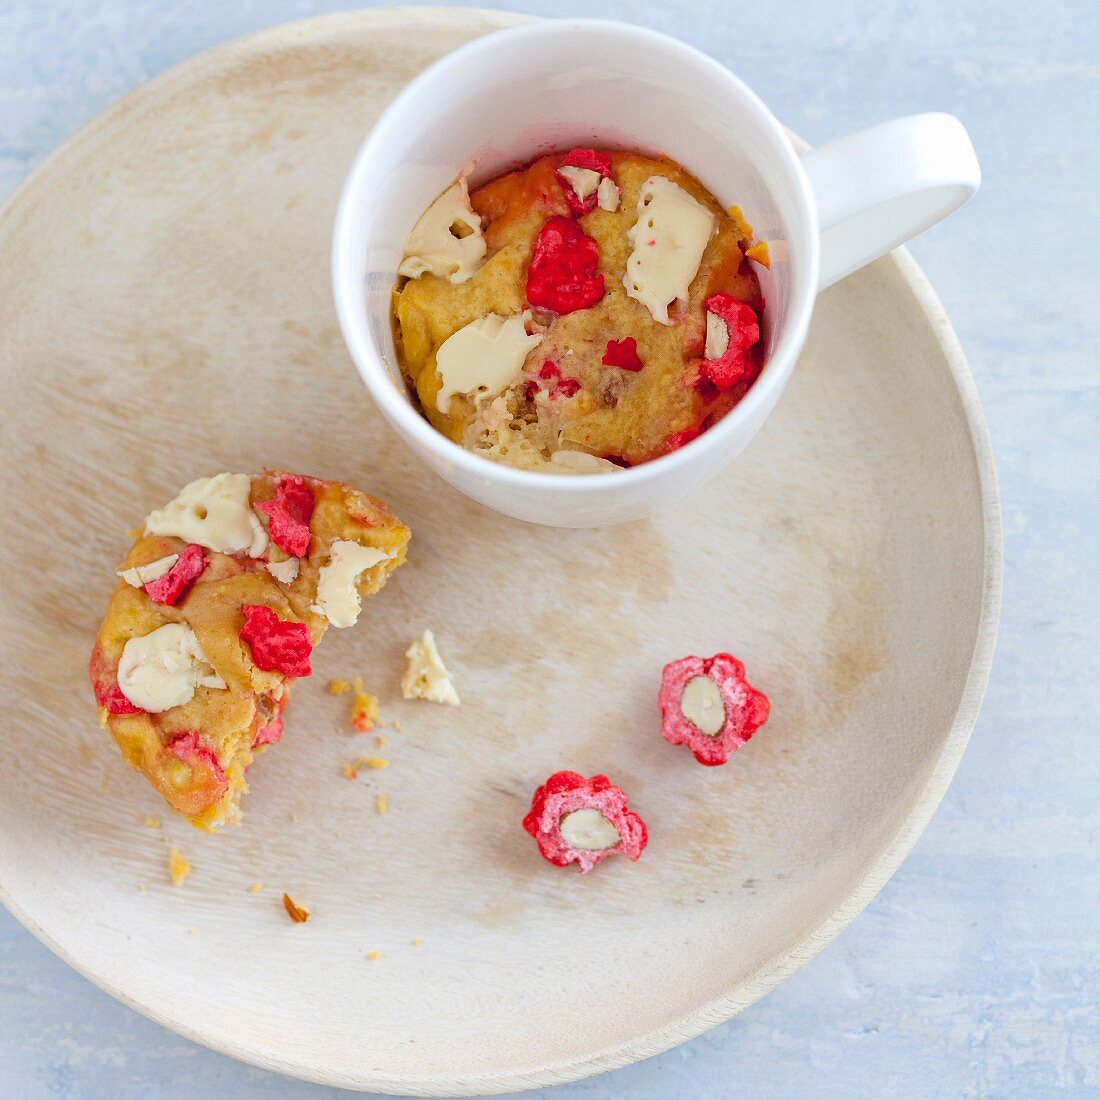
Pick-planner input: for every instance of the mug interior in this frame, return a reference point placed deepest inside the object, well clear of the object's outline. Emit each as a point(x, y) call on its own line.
point(514, 95)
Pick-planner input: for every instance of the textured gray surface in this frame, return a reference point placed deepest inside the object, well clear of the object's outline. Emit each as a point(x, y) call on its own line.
point(977, 970)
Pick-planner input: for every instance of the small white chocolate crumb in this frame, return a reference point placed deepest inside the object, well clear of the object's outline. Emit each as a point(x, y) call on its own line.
point(284, 571)
point(426, 677)
point(607, 195)
point(583, 181)
point(138, 576)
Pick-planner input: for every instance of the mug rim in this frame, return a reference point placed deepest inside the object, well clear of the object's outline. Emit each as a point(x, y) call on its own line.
point(399, 410)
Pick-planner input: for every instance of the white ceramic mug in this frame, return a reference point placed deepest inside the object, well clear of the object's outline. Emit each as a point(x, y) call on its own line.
point(513, 95)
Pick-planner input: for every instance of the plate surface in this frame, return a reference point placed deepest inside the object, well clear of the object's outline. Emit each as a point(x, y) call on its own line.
point(165, 313)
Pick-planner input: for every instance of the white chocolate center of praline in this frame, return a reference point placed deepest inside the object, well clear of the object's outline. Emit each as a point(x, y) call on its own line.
point(701, 704)
point(589, 830)
point(718, 337)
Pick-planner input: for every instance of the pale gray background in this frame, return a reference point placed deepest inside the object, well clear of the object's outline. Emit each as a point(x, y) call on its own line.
point(975, 972)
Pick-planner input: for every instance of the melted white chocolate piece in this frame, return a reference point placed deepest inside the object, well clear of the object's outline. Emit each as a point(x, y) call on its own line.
point(161, 670)
point(589, 830)
point(701, 704)
point(214, 512)
point(338, 598)
point(483, 357)
point(447, 240)
point(668, 239)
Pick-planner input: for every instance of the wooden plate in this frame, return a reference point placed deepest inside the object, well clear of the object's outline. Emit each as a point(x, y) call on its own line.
point(165, 313)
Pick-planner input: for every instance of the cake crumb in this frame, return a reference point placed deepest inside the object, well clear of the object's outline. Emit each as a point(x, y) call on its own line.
point(381, 740)
point(297, 913)
point(416, 942)
point(365, 710)
point(399, 727)
point(352, 768)
point(142, 888)
point(339, 687)
point(759, 253)
point(426, 677)
point(152, 823)
point(382, 804)
point(256, 887)
point(374, 955)
point(178, 867)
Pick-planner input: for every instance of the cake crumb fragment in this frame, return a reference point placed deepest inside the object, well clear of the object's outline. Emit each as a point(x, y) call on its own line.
point(339, 687)
point(151, 823)
point(372, 955)
point(352, 768)
point(256, 887)
point(297, 913)
point(382, 804)
point(416, 942)
point(365, 710)
point(178, 867)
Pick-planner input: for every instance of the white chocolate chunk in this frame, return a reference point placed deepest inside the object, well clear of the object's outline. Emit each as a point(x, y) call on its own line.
point(213, 512)
point(434, 247)
point(482, 358)
point(581, 462)
point(338, 598)
point(607, 195)
point(718, 336)
point(584, 181)
point(285, 571)
point(425, 676)
point(590, 830)
point(668, 241)
point(260, 537)
point(138, 576)
point(701, 704)
point(161, 670)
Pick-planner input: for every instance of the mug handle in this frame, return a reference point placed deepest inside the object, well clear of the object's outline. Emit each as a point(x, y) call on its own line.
point(878, 188)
